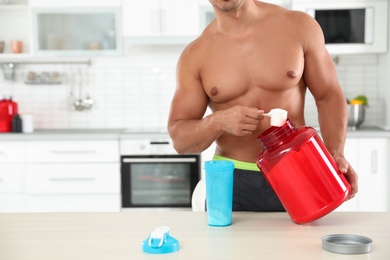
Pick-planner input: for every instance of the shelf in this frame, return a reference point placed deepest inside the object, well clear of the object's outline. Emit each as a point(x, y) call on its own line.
point(33, 59)
point(43, 82)
point(7, 7)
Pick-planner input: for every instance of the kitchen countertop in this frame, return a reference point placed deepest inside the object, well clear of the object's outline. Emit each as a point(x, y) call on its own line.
point(63, 134)
point(105, 134)
point(119, 235)
point(368, 131)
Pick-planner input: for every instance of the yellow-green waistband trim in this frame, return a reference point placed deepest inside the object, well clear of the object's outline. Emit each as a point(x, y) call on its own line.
point(238, 164)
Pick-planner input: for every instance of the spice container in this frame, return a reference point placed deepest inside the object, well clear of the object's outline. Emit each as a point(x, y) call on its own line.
point(301, 171)
point(16, 124)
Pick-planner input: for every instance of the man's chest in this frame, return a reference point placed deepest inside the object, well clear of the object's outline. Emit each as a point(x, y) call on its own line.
point(239, 69)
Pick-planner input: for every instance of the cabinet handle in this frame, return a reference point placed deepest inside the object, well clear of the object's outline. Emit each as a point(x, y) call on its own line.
point(158, 160)
point(374, 162)
point(73, 179)
point(73, 152)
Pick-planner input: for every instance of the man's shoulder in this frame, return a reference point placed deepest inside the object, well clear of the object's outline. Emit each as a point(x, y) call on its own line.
point(292, 19)
point(197, 46)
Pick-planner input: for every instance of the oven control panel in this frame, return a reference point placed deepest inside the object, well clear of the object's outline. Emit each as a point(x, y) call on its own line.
point(146, 147)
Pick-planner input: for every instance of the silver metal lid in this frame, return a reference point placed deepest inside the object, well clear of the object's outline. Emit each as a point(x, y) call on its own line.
point(347, 244)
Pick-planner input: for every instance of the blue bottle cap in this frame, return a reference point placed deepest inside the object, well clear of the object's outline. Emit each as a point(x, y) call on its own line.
point(160, 242)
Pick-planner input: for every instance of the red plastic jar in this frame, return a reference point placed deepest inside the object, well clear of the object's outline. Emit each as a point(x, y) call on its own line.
point(301, 171)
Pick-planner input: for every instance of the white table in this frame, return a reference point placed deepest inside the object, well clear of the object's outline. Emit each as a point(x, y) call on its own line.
point(112, 236)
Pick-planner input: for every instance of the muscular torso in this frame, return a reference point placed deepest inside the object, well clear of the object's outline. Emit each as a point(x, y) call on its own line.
point(261, 69)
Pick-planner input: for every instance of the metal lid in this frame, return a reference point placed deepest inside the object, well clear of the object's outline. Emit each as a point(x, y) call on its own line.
point(347, 244)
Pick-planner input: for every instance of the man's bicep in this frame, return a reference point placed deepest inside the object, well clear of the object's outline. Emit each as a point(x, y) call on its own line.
point(190, 101)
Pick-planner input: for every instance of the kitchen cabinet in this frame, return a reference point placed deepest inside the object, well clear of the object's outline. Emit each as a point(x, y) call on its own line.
point(373, 174)
point(59, 176)
point(207, 12)
point(81, 31)
point(12, 158)
point(369, 158)
point(15, 25)
point(160, 18)
point(75, 3)
point(74, 27)
point(64, 187)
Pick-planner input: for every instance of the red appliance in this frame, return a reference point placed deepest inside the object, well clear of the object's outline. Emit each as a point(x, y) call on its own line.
point(301, 171)
point(8, 109)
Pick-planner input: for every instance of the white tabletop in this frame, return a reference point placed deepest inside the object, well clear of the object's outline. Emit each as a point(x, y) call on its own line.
point(112, 236)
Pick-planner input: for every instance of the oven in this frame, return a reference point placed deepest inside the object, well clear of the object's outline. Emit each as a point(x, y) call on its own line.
point(153, 175)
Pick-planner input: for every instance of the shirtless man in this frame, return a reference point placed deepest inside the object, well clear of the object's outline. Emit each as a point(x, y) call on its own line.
point(254, 57)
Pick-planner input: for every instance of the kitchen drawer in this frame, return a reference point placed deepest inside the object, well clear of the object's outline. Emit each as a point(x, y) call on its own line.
point(73, 178)
point(73, 203)
point(11, 203)
point(12, 151)
point(73, 151)
point(11, 180)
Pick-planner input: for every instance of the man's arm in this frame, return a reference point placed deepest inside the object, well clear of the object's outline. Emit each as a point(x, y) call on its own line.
point(321, 78)
point(190, 132)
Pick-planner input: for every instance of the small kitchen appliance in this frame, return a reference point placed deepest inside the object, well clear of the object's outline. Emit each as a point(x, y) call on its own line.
point(153, 175)
point(350, 26)
point(8, 108)
point(301, 171)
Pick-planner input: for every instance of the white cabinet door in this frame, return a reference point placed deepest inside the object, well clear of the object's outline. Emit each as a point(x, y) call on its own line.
point(352, 156)
point(12, 151)
point(67, 178)
point(75, 3)
point(67, 187)
point(373, 174)
point(369, 158)
point(12, 197)
point(160, 18)
point(11, 178)
point(179, 17)
point(141, 18)
point(12, 159)
point(73, 151)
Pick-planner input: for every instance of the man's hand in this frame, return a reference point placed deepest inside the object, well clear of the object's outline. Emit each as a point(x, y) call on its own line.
point(240, 120)
point(349, 173)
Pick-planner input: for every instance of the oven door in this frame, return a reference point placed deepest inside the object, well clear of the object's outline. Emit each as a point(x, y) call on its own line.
point(156, 181)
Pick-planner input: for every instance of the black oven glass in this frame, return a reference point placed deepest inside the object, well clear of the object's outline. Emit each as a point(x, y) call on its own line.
point(342, 26)
point(159, 181)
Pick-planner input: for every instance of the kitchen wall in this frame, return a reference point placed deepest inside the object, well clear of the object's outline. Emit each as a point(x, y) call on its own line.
point(135, 91)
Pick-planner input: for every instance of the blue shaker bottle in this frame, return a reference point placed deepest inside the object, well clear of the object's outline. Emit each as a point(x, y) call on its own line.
point(219, 192)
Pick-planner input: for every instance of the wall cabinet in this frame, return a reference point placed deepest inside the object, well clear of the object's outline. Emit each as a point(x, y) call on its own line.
point(369, 157)
point(59, 176)
point(74, 27)
point(15, 25)
point(81, 31)
point(160, 18)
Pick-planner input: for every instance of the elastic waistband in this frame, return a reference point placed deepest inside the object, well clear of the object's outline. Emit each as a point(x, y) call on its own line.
point(239, 164)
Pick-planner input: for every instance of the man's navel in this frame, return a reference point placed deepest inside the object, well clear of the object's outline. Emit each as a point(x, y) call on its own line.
point(214, 91)
point(291, 74)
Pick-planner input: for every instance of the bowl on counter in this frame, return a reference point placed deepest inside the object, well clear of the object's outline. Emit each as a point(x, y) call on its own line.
point(356, 114)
